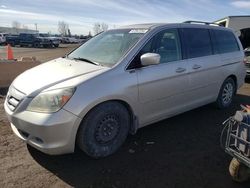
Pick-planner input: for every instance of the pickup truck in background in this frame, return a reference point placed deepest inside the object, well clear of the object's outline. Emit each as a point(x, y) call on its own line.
point(13, 40)
point(55, 41)
point(28, 39)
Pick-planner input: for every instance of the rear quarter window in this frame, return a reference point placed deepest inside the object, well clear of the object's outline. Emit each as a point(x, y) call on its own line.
point(225, 41)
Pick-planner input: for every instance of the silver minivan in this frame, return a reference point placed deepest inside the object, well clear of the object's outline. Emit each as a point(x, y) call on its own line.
point(247, 62)
point(122, 80)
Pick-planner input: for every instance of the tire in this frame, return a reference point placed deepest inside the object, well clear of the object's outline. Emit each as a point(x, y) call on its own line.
point(226, 94)
point(50, 45)
point(36, 45)
point(238, 171)
point(12, 44)
point(104, 129)
point(56, 45)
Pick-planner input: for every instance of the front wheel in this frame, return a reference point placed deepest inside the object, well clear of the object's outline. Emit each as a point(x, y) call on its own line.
point(227, 92)
point(104, 129)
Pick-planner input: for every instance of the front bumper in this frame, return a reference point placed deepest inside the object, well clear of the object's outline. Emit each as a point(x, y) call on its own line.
point(53, 134)
point(55, 41)
point(45, 43)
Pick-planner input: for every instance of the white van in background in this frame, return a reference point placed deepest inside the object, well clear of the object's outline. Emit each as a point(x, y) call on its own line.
point(3, 38)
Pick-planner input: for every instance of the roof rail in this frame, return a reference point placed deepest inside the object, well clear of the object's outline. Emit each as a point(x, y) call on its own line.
point(201, 22)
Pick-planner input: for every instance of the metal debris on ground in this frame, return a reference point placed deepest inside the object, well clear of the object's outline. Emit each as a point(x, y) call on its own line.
point(131, 151)
point(150, 143)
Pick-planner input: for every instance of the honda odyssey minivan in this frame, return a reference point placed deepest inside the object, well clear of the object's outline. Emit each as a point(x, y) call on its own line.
point(121, 80)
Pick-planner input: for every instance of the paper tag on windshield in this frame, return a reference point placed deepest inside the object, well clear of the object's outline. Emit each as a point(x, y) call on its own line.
point(138, 31)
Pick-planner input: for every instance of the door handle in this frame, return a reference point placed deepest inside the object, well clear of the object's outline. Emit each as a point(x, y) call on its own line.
point(196, 66)
point(180, 70)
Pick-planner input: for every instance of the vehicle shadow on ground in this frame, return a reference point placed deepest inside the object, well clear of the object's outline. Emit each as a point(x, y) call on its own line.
point(183, 151)
point(3, 90)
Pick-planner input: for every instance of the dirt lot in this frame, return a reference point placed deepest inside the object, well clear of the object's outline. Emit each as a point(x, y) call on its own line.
point(182, 151)
point(42, 54)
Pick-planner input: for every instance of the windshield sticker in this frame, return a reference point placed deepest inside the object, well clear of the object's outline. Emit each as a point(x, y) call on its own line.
point(138, 31)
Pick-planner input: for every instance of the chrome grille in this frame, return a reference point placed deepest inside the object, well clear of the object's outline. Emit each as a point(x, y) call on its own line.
point(248, 65)
point(14, 97)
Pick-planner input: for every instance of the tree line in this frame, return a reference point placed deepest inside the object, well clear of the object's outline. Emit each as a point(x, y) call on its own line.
point(63, 27)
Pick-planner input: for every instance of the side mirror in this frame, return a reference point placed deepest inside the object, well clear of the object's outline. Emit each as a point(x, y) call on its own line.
point(150, 59)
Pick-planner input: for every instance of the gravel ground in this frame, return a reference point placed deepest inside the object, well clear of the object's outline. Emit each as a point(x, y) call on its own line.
point(179, 152)
point(42, 54)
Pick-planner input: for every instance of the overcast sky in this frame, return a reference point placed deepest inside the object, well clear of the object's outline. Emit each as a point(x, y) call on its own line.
point(82, 14)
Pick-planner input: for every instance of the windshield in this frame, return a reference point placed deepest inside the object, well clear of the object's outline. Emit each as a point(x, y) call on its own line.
point(107, 48)
point(43, 35)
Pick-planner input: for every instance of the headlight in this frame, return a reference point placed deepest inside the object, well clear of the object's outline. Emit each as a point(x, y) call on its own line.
point(51, 101)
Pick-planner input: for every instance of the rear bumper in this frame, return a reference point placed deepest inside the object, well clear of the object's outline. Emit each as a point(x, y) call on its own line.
point(53, 134)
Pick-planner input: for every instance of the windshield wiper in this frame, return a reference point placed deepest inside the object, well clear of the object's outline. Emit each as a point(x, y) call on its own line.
point(87, 60)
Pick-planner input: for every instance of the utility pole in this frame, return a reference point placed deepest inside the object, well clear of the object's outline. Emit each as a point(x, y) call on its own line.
point(36, 27)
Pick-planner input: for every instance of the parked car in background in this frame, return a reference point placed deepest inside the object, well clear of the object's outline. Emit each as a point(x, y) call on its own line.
point(55, 41)
point(3, 38)
point(69, 40)
point(247, 61)
point(122, 80)
point(58, 37)
point(83, 40)
point(65, 40)
point(73, 40)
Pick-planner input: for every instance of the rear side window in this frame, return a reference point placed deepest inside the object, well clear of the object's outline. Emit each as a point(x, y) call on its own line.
point(198, 42)
point(225, 41)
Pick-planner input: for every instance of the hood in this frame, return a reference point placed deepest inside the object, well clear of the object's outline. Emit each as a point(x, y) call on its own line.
point(51, 73)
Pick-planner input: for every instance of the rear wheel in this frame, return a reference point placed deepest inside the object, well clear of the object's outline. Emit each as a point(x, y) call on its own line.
point(36, 45)
point(238, 171)
point(12, 44)
point(104, 129)
point(227, 92)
